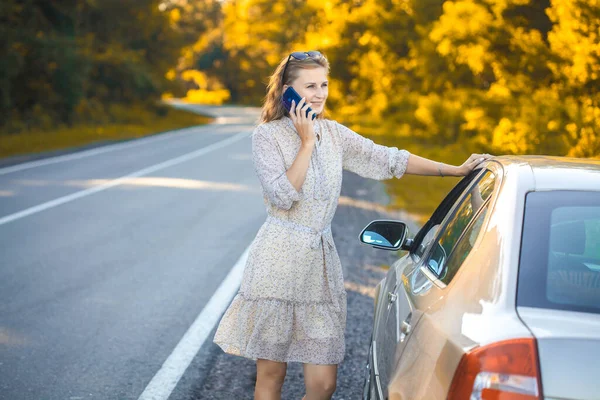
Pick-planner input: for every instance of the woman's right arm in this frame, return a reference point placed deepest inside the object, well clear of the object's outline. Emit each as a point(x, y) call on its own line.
point(282, 187)
point(270, 169)
point(297, 171)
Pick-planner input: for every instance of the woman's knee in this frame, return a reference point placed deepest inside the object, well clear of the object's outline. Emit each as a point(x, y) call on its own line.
point(324, 387)
point(272, 372)
point(320, 379)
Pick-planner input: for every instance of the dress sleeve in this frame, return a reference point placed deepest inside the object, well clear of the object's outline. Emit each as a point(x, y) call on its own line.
point(369, 159)
point(271, 171)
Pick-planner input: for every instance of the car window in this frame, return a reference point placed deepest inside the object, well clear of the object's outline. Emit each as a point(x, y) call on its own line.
point(465, 215)
point(559, 266)
point(463, 247)
point(428, 239)
point(427, 234)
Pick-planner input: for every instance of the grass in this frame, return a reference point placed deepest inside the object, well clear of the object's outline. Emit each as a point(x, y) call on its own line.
point(140, 123)
point(421, 195)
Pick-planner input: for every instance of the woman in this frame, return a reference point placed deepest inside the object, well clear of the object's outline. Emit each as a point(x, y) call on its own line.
point(291, 305)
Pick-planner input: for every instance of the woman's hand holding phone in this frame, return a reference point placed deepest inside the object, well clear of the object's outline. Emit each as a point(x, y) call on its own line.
point(303, 122)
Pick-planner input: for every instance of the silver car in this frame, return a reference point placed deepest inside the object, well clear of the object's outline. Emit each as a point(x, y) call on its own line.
point(498, 296)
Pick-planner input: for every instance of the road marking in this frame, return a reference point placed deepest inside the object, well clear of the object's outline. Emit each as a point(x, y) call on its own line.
point(165, 380)
point(103, 149)
point(123, 179)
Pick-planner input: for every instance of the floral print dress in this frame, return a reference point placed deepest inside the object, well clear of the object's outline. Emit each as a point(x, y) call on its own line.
point(291, 305)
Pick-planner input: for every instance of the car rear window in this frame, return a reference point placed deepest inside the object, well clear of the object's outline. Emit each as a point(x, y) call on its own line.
point(559, 266)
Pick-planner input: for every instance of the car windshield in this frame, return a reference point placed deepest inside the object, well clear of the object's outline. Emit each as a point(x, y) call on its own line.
point(559, 265)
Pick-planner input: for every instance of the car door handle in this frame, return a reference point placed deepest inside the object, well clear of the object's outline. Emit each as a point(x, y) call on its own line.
point(392, 297)
point(405, 327)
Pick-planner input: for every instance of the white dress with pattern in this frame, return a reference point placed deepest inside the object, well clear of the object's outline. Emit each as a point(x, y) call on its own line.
point(291, 305)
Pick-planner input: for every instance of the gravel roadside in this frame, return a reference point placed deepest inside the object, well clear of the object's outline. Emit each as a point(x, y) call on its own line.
point(216, 375)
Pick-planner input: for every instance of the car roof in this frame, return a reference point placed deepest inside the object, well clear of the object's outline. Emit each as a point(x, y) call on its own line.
point(556, 173)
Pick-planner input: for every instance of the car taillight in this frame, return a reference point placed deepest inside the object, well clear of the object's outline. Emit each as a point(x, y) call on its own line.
point(506, 370)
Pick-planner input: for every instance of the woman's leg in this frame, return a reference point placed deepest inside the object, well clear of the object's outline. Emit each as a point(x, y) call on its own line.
point(320, 381)
point(269, 379)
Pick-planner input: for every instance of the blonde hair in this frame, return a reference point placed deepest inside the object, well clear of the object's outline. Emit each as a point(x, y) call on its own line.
point(273, 107)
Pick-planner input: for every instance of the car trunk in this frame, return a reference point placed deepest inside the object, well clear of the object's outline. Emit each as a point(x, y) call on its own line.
point(569, 351)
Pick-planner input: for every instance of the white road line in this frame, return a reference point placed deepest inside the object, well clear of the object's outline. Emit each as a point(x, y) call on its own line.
point(103, 149)
point(118, 181)
point(165, 380)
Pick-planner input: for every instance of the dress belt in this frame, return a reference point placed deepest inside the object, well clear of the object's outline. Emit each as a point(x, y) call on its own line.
point(326, 237)
point(324, 234)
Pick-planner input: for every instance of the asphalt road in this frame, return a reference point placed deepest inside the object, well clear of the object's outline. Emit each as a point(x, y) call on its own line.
point(107, 256)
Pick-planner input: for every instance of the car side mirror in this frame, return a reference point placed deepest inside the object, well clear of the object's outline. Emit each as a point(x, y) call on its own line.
point(387, 235)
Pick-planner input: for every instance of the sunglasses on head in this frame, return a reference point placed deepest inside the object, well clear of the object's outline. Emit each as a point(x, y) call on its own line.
point(300, 55)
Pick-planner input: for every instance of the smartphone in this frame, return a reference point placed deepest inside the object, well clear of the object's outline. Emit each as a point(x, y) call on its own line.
point(289, 95)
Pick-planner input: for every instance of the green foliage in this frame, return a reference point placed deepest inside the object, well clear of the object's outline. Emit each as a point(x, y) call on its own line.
point(64, 62)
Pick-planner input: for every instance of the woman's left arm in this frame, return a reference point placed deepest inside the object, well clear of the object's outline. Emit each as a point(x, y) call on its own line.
point(371, 160)
point(422, 166)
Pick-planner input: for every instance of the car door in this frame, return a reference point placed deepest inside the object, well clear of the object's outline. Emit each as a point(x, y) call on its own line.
point(426, 289)
point(396, 312)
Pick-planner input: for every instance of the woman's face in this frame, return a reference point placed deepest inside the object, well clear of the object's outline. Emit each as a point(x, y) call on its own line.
point(312, 84)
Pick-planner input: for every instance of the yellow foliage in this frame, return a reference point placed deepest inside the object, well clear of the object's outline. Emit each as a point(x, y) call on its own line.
point(529, 41)
point(461, 19)
point(198, 77)
point(575, 42)
point(473, 56)
point(404, 5)
point(245, 65)
point(484, 71)
point(553, 125)
point(588, 145)
point(316, 40)
point(444, 47)
point(572, 129)
point(378, 103)
point(368, 38)
point(171, 74)
point(464, 21)
point(511, 137)
point(332, 17)
point(425, 111)
point(175, 16)
point(498, 91)
point(215, 97)
point(474, 117)
point(273, 59)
